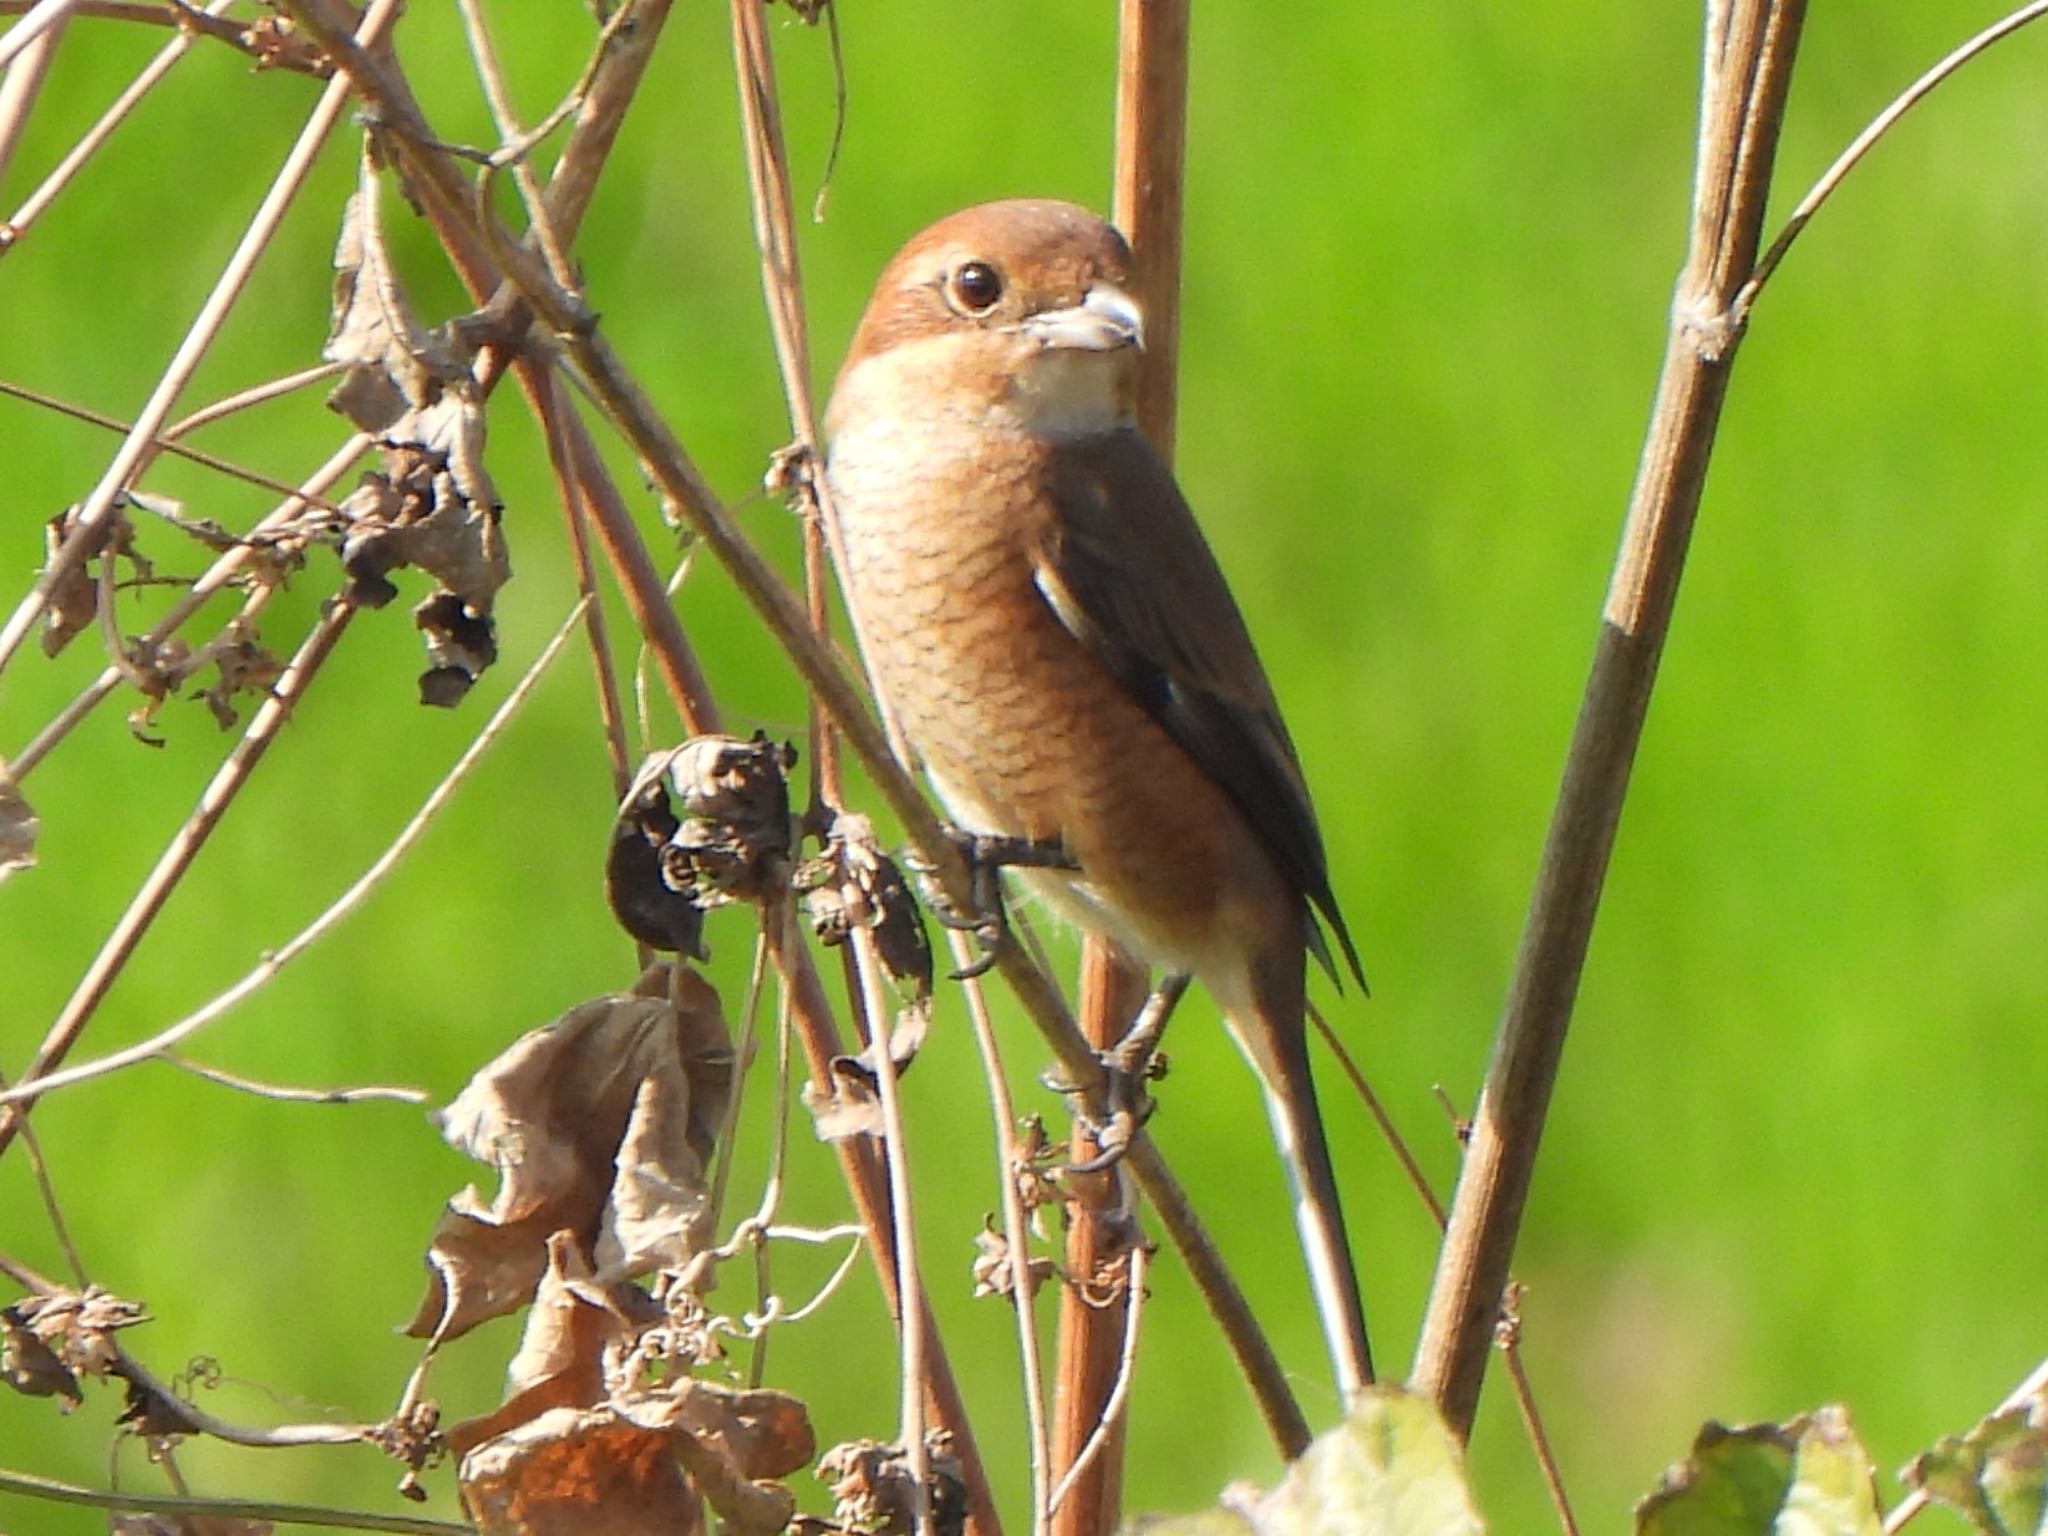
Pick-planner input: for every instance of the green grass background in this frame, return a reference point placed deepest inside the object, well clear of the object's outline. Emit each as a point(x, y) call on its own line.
point(1798, 1149)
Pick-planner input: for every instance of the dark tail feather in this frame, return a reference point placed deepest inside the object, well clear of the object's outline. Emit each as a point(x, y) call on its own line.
point(1279, 1049)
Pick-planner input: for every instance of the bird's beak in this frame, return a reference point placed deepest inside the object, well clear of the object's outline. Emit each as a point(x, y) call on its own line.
point(1105, 320)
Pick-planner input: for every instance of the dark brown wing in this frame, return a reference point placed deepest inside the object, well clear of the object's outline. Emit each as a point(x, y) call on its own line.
point(1129, 574)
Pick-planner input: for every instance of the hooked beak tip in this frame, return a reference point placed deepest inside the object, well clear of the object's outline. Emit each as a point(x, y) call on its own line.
point(1106, 320)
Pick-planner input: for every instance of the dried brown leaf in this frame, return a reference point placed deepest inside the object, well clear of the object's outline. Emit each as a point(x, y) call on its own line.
point(854, 883)
point(600, 1125)
point(561, 1359)
point(995, 1274)
point(79, 1326)
point(245, 667)
point(75, 596)
point(734, 1445)
point(647, 907)
point(30, 1366)
point(732, 807)
point(395, 365)
point(873, 1490)
point(461, 643)
point(849, 1106)
point(574, 1472)
point(432, 505)
point(19, 826)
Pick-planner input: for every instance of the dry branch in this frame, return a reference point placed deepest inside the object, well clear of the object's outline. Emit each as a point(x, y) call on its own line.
point(1749, 52)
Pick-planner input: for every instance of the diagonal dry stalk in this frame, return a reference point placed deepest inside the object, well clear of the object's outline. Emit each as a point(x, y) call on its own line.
point(12, 230)
point(139, 446)
point(214, 803)
point(156, 1046)
point(1750, 46)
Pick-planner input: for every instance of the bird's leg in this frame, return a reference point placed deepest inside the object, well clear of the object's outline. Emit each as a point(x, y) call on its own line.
point(987, 854)
point(1127, 1066)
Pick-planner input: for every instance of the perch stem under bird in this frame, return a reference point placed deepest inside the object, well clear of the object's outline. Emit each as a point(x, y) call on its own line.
point(1054, 643)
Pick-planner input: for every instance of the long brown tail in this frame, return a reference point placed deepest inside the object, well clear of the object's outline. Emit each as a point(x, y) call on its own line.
point(1277, 1045)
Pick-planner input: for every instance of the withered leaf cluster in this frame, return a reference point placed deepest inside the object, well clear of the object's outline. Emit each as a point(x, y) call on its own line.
point(600, 1126)
point(431, 505)
point(704, 824)
point(75, 595)
point(873, 1488)
point(643, 1466)
point(853, 885)
point(159, 667)
point(48, 1341)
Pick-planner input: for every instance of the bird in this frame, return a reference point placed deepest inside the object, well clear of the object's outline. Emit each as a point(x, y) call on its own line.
point(1052, 641)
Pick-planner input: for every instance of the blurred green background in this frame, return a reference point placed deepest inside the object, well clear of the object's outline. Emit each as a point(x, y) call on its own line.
point(1799, 1145)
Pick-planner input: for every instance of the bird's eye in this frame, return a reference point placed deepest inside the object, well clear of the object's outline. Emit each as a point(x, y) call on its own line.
point(977, 286)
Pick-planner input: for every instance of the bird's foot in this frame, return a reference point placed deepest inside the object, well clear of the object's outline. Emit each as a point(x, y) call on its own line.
point(1129, 1107)
point(1127, 1067)
point(987, 855)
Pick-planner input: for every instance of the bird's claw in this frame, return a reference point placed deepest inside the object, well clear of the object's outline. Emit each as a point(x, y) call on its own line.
point(1127, 1066)
point(1129, 1105)
point(986, 855)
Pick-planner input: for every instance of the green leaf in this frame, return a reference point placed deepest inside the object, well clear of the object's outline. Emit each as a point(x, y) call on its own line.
point(1834, 1487)
point(1390, 1469)
point(1809, 1477)
point(1993, 1476)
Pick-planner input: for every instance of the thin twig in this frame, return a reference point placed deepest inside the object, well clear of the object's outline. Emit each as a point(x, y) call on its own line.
point(219, 574)
point(1389, 1132)
point(39, 1166)
point(1518, 1372)
point(245, 399)
point(269, 52)
point(1016, 1231)
point(342, 906)
point(166, 441)
point(196, 1419)
point(576, 499)
point(1233, 1314)
point(1880, 125)
point(137, 448)
point(287, 1095)
point(12, 230)
point(1747, 72)
point(782, 284)
point(1120, 1390)
point(20, 85)
point(39, 19)
point(253, 1511)
point(2035, 1384)
point(913, 1320)
point(727, 1143)
point(778, 1146)
point(227, 784)
point(506, 120)
point(775, 1314)
point(1539, 1437)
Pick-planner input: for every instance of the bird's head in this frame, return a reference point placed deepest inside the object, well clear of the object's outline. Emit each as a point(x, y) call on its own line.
point(1014, 313)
